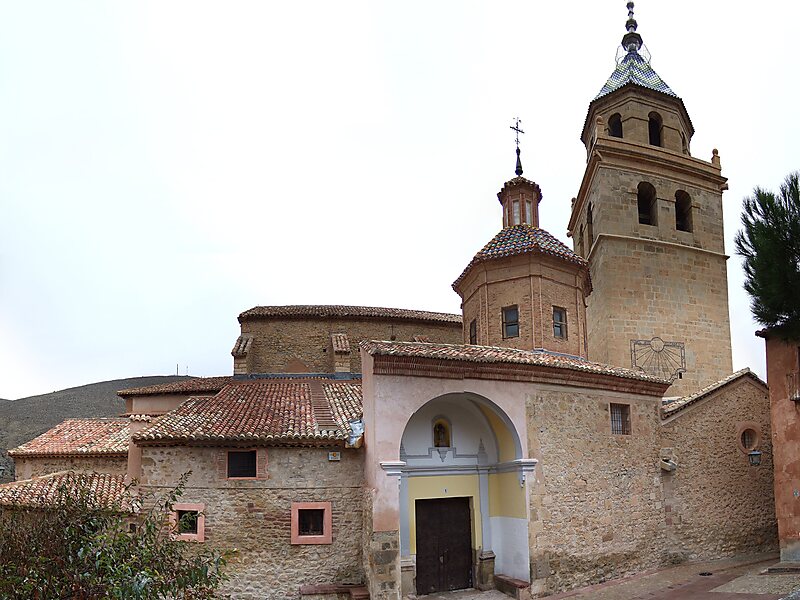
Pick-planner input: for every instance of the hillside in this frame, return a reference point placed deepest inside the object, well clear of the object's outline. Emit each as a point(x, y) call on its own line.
point(22, 420)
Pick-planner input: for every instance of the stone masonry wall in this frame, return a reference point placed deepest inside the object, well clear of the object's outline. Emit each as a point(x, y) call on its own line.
point(254, 516)
point(27, 467)
point(595, 505)
point(653, 280)
point(304, 345)
point(716, 504)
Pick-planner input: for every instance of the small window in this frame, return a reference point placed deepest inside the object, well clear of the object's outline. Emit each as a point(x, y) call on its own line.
point(621, 419)
point(580, 242)
point(189, 521)
point(646, 200)
point(589, 228)
point(529, 212)
point(441, 434)
point(241, 464)
point(749, 439)
point(654, 129)
point(473, 332)
point(560, 322)
point(615, 125)
point(510, 322)
point(684, 144)
point(515, 208)
point(311, 523)
point(683, 211)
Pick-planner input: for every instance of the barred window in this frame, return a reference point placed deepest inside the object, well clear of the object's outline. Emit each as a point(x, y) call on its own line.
point(621, 419)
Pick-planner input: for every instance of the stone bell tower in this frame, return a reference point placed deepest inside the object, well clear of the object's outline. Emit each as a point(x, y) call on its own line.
point(648, 219)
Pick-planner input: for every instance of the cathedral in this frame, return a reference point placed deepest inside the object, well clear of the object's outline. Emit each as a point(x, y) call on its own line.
point(578, 422)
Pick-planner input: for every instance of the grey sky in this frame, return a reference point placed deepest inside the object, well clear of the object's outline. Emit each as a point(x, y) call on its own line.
point(167, 165)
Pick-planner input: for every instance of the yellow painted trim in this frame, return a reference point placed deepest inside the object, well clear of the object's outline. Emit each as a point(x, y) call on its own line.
point(506, 496)
point(505, 441)
point(445, 486)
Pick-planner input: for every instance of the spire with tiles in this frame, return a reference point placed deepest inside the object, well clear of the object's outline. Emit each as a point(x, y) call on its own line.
point(633, 67)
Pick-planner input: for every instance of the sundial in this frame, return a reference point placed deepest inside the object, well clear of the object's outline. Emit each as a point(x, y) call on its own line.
point(666, 360)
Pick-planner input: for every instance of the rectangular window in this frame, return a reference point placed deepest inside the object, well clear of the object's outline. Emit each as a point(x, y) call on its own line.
point(560, 322)
point(510, 322)
point(311, 523)
point(621, 419)
point(188, 521)
point(515, 205)
point(473, 332)
point(241, 464)
point(529, 212)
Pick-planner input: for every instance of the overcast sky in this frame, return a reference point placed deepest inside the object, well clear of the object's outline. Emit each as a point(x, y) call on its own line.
point(166, 165)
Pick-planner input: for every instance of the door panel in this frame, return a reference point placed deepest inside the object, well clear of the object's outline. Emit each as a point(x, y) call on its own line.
point(444, 545)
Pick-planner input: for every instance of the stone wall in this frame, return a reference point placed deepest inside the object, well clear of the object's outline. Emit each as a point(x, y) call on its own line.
point(283, 345)
point(595, 505)
point(654, 281)
point(254, 516)
point(35, 466)
point(715, 503)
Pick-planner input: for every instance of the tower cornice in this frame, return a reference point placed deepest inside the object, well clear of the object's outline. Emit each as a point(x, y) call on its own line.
point(649, 161)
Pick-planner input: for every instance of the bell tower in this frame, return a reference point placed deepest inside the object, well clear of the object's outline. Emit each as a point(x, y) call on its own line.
point(648, 219)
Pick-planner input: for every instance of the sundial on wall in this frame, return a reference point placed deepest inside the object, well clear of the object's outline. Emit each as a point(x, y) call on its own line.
point(666, 360)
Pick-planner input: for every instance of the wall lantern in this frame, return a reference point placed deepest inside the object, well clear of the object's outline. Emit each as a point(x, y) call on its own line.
point(754, 456)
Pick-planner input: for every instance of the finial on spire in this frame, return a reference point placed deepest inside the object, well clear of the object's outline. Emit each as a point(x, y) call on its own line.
point(516, 127)
point(632, 40)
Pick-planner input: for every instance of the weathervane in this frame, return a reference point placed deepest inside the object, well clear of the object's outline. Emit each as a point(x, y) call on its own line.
point(516, 127)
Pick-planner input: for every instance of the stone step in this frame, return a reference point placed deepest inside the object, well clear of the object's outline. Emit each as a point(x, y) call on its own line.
point(510, 587)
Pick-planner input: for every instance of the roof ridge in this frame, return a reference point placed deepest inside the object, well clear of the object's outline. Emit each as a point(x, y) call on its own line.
point(678, 404)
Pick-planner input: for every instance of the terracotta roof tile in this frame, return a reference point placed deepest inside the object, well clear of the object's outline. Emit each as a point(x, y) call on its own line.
point(670, 406)
point(86, 437)
point(491, 354)
point(522, 239)
point(260, 411)
point(192, 385)
point(341, 311)
point(341, 345)
point(242, 346)
point(107, 490)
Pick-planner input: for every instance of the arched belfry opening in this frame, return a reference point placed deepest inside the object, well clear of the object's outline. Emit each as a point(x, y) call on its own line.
point(646, 202)
point(654, 126)
point(463, 495)
point(615, 125)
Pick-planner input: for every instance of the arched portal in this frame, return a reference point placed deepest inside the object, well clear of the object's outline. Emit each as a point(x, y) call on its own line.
point(463, 506)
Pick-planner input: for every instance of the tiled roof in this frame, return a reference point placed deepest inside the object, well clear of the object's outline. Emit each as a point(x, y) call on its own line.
point(341, 345)
point(672, 405)
point(261, 411)
point(521, 239)
point(242, 346)
point(106, 490)
point(634, 69)
point(85, 437)
point(194, 385)
point(340, 311)
point(491, 354)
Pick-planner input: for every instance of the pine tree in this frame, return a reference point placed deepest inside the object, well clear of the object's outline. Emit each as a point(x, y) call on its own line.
point(770, 244)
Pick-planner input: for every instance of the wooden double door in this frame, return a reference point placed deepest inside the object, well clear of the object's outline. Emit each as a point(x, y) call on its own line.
point(444, 545)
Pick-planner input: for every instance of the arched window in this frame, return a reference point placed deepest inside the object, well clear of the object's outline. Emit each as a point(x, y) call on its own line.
point(589, 228)
point(615, 125)
point(683, 211)
point(684, 143)
point(654, 127)
point(646, 199)
point(441, 434)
